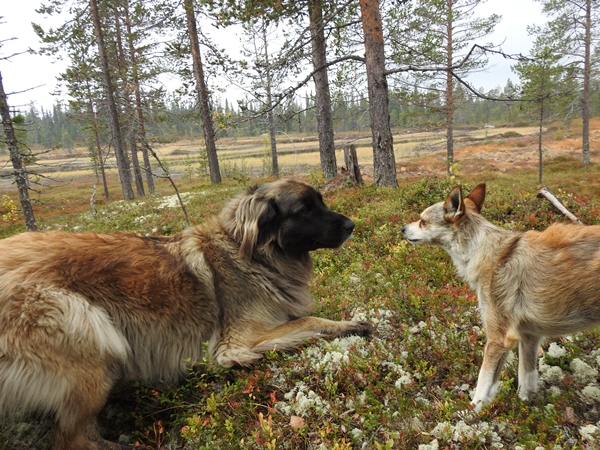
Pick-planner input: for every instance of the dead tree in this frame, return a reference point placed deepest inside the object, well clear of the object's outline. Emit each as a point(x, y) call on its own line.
point(19, 170)
point(351, 161)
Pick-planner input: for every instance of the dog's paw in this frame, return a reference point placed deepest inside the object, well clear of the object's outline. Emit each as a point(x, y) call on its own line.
point(359, 328)
point(98, 443)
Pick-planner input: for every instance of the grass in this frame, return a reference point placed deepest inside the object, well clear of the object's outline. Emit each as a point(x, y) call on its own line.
point(406, 387)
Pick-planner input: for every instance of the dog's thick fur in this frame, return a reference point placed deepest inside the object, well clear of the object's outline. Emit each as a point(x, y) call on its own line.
point(529, 285)
point(80, 311)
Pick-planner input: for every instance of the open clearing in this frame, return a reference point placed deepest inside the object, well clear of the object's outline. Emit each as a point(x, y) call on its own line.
point(423, 151)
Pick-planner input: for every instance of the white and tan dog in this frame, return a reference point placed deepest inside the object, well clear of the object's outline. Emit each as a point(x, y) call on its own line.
point(530, 285)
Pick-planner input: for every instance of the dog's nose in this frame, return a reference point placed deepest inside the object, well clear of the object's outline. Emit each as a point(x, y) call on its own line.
point(403, 229)
point(348, 226)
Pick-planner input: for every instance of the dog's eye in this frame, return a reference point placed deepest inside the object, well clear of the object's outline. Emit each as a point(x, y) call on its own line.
point(422, 223)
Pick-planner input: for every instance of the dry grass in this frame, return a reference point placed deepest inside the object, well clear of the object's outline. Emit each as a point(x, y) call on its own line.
point(296, 154)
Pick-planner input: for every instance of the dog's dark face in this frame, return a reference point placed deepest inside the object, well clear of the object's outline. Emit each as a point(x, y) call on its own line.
point(288, 215)
point(303, 223)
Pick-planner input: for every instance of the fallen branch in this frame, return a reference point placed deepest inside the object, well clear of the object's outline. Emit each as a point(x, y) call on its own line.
point(92, 204)
point(544, 193)
point(167, 175)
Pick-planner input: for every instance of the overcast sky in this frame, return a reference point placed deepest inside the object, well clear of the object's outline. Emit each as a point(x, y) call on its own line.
point(24, 72)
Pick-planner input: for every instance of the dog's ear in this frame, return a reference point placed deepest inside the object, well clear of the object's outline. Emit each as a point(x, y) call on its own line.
point(454, 206)
point(477, 196)
point(254, 218)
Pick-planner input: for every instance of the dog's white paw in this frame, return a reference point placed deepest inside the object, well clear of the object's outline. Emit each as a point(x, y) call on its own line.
point(478, 405)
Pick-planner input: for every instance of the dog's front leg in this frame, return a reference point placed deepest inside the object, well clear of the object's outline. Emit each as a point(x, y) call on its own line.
point(488, 381)
point(245, 344)
point(293, 333)
point(528, 375)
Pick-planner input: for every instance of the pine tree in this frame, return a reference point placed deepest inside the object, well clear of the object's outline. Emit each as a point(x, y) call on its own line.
point(547, 86)
point(434, 40)
point(203, 95)
point(572, 28)
point(122, 162)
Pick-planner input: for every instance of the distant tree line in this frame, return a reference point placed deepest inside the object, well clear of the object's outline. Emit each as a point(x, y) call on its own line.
point(58, 127)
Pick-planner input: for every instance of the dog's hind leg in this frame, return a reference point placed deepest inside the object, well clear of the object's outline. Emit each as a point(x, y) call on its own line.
point(76, 415)
point(528, 375)
point(494, 356)
point(59, 355)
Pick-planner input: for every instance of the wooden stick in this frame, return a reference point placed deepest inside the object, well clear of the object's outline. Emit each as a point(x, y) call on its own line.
point(558, 205)
point(92, 204)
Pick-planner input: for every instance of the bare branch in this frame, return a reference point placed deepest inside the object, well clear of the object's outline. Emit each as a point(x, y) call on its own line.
point(485, 96)
point(168, 176)
point(456, 66)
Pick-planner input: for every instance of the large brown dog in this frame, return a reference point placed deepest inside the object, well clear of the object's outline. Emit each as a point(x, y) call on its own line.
point(530, 285)
point(80, 311)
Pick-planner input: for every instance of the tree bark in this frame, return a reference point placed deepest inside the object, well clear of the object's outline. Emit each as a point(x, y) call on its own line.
point(15, 157)
point(122, 162)
point(94, 120)
point(203, 100)
point(540, 146)
point(585, 101)
point(322, 94)
point(384, 162)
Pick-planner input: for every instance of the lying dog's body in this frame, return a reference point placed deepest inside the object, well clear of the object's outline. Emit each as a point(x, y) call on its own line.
point(529, 285)
point(80, 311)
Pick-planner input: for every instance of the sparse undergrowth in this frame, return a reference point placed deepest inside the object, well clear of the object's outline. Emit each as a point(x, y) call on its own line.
point(406, 387)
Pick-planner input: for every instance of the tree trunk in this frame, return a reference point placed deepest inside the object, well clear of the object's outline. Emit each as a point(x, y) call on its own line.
point(137, 172)
point(351, 160)
point(122, 163)
point(384, 163)
point(141, 125)
point(203, 100)
point(94, 121)
point(122, 64)
point(540, 152)
point(585, 101)
point(449, 91)
point(322, 94)
point(270, 115)
point(15, 157)
point(272, 137)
